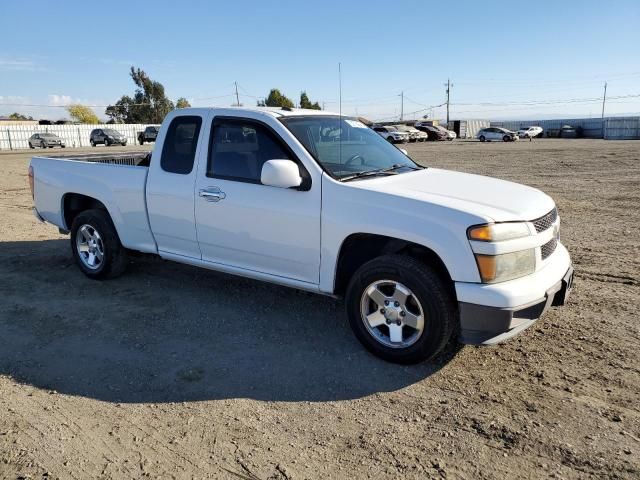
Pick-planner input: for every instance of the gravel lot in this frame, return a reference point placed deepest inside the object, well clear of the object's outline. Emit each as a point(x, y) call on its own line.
point(178, 372)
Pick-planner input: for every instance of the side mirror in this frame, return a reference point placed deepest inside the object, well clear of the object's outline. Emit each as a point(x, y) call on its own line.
point(280, 173)
point(404, 151)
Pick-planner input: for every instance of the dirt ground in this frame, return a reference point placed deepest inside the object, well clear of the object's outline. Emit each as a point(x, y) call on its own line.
point(177, 372)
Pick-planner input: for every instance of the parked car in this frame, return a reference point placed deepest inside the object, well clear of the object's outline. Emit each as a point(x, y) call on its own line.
point(421, 136)
point(148, 135)
point(419, 254)
point(530, 132)
point(106, 136)
point(392, 134)
point(433, 133)
point(46, 140)
point(451, 135)
point(497, 133)
point(415, 135)
point(566, 131)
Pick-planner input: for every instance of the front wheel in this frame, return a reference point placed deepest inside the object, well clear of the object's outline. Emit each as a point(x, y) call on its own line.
point(400, 309)
point(506, 138)
point(92, 143)
point(481, 138)
point(96, 246)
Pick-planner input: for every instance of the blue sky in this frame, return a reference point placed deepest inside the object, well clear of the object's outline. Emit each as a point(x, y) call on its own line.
point(505, 59)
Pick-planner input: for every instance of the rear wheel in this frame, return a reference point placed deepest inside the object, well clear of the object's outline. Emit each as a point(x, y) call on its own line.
point(400, 309)
point(481, 138)
point(96, 246)
point(107, 143)
point(42, 144)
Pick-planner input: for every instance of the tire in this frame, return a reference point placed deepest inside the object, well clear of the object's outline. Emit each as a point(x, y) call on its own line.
point(106, 142)
point(31, 146)
point(389, 276)
point(481, 138)
point(506, 138)
point(107, 244)
point(389, 139)
point(92, 143)
point(43, 145)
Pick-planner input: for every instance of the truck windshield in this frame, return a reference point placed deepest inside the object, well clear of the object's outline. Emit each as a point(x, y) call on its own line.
point(345, 147)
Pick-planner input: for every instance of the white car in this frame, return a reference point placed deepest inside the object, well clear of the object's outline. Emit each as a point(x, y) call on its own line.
point(415, 135)
point(529, 132)
point(451, 135)
point(498, 134)
point(392, 134)
point(418, 253)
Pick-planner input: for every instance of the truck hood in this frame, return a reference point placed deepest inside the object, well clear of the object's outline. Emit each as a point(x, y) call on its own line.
point(490, 198)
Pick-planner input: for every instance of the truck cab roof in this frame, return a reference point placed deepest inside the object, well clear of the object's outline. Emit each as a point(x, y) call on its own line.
point(275, 112)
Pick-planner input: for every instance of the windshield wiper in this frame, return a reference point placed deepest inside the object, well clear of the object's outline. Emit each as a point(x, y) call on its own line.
point(377, 171)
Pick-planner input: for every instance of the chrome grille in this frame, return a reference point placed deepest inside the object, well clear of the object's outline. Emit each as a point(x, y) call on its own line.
point(548, 248)
point(545, 222)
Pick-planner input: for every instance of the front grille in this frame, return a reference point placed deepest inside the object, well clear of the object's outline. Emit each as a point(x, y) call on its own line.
point(548, 248)
point(544, 222)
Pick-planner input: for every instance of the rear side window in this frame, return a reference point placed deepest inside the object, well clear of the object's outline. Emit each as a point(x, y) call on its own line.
point(179, 149)
point(239, 149)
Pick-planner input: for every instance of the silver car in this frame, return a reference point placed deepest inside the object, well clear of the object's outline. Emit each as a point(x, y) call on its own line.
point(44, 140)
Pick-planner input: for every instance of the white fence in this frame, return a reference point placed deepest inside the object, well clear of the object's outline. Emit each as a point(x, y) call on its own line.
point(15, 137)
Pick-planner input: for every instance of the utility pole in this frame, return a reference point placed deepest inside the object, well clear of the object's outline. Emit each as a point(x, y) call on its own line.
point(237, 98)
point(604, 99)
point(448, 84)
point(401, 105)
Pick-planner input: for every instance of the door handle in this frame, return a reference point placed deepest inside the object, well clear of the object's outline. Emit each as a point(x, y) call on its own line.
point(213, 194)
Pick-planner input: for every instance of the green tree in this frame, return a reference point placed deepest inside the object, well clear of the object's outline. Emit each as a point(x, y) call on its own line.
point(82, 114)
point(276, 99)
point(182, 103)
point(19, 116)
point(306, 103)
point(149, 103)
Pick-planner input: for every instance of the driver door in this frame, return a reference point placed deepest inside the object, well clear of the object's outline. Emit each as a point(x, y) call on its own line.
point(244, 224)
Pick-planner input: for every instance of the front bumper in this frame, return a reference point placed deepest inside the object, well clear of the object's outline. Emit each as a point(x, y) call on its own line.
point(491, 314)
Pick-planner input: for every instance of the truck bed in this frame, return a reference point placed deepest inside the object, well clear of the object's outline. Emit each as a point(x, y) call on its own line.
point(117, 180)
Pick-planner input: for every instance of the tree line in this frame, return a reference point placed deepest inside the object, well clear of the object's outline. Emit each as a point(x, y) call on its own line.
point(150, 104)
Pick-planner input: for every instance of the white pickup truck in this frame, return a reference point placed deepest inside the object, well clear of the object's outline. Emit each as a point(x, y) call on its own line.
point(322, 203)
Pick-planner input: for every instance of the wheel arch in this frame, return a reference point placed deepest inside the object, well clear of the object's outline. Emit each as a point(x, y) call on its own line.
point(75, 203)
point(359, 248)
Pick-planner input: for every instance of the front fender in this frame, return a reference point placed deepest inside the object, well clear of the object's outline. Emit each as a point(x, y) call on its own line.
point(347, 211)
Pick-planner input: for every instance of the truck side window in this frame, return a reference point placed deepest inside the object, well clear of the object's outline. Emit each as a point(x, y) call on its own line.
point(239, 149)
point(179, 149)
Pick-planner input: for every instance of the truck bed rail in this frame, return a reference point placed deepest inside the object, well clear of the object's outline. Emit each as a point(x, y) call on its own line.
point(132, 159)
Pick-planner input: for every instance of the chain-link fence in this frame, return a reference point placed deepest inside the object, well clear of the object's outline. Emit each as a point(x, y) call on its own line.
point(16, 137)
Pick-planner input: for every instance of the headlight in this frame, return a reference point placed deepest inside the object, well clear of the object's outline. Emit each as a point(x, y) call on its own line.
point(508, 266)
point(497, 232)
